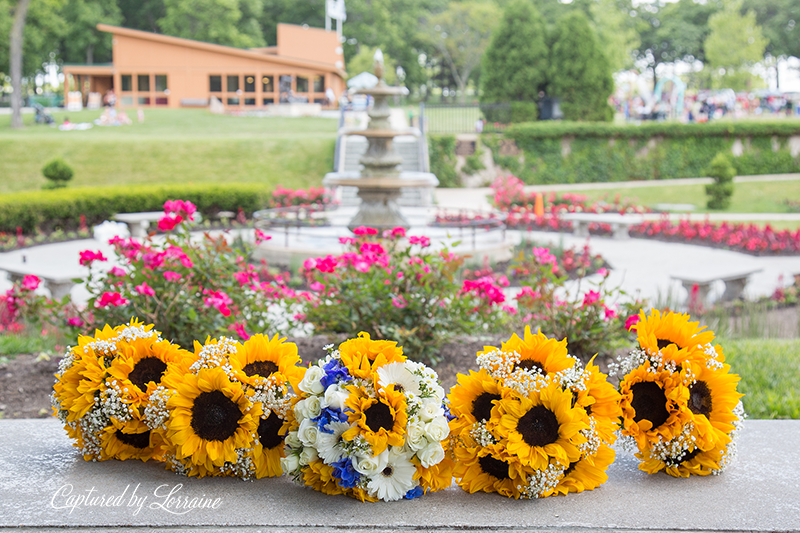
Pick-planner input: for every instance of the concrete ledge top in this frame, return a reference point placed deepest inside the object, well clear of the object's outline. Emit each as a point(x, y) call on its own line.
point(41, 474)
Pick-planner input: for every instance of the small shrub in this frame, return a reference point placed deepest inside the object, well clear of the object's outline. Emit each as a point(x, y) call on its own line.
point(720, 192)
point(442, 150)
point(58, 172)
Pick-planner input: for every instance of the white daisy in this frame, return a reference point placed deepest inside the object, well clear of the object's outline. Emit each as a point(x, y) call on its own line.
point(329, 444)
point(397, 375)
point(394, 481)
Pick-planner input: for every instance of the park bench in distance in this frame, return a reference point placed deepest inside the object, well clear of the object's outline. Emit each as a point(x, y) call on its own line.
point(58, 285)
point(620, 224)
point(735, 282)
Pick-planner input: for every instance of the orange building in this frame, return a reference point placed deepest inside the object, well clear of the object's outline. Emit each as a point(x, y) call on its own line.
point(150, 69)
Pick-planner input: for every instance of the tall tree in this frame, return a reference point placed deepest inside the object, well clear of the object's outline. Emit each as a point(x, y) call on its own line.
point(15, 60)
point(461, 33)
point(616, 31)
point(311, 12)
point(6, 21)
point(83, 42)
point(214, 21)
point(780, 23)
point(142, 14)
point(515, 63)
point(579, 71)
point(734, 44)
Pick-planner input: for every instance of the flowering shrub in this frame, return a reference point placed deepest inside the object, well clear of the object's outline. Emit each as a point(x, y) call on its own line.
point(746, 238)
point(282, 197)
point(594, 322)
point(188, 288)
point(399, 289)
point(567, 262)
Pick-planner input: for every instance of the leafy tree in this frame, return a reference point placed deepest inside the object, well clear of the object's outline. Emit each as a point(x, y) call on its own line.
point(616, 31)
point(780, 24)
point(311, 12)
point(83, 42)
point(461, 33)
point(734, 44)
point(142, 14)
point(6, 21)
point(214, 21)
point(579, 71)
point(364, 60)
point(515, 63)
point(15, 60)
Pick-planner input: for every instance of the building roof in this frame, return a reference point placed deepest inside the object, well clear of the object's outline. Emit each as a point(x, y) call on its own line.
point(221, 49)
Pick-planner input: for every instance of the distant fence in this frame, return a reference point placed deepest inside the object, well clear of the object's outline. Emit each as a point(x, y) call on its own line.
point(463, 118)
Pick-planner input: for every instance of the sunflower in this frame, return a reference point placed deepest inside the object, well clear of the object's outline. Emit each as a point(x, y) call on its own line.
point(436, 477)
point(381, 421)
point(600, 400)
point(77, 388)
point(712, 395)
point(319, 477)
point(268, 448)
point(489, 469)
point(654, 405)
point(473, 400)
point(588, 473)
point(362, 355)
point(131, 440)
point(211, 419)
point(542, 426)
point(537, 353)
point(658, 331)
point(262, 358)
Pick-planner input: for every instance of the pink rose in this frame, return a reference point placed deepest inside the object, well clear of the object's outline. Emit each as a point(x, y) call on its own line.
point(30, 282)
point(145, 289)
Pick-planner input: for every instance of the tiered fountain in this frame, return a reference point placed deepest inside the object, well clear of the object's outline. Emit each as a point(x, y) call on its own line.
point(380, 183)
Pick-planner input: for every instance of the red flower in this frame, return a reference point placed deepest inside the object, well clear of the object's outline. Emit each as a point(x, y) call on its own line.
point(30, 282)
point(110, 298)
point(87, 257)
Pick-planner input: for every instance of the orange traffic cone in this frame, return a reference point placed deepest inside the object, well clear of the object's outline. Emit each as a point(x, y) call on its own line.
point(538, 207)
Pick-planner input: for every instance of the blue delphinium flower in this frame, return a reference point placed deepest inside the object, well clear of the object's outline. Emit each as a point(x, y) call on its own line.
point(335, 372)
point(328, 415)
point(344, 471)
point(416, 492)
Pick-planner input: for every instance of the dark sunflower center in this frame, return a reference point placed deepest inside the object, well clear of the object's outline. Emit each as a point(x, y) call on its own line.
point(260, 368)
point(379, 416)
point(570, 468)
point(494, 467)
point(268, 430)
point(137, 440)
point(649, 402)
point(215, 416)
point(482, 406)
point(700, 399)
point(387, 471)
point(539, 426)
point(530, 364)
point(689, 456)
point(663, 343)
point(147, 370)
point(399, 388)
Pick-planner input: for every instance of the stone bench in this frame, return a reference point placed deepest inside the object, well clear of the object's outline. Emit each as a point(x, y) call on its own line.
point(620, 224)
point(138, 223)
point(40, 471)
point(58, 285)
point(735, 282)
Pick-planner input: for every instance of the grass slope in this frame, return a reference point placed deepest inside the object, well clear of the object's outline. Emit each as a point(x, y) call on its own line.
point(172, 146)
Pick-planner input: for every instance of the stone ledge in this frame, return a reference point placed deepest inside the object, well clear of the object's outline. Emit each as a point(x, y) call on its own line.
point(760, 492)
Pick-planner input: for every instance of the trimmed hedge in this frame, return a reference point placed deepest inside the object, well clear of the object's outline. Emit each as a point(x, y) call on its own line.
point(442, 153)
point(601, 152)
point(62, 208)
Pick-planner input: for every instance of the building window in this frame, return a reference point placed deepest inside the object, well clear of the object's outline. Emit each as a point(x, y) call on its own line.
point(215, 84)
point(143, 83)
point(162, 100)
point(233, 84)
point(268, 101)
point(319, 84)
point(161, 83)
point(233, 101)
point(127, 100)
point(127, 82)
point(302, 84)
point(249, 101)
point(144, 100)
point(267, 84)
point(250, 84)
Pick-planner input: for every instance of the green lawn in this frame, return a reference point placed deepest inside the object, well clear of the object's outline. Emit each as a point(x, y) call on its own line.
point(770, 371)
point(748, 197)
point(183, 145)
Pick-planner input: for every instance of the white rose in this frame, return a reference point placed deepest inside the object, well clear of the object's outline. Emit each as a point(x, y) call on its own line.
point(307, 433)
point(404, 451)
point(430, 410)
point(311, 382)
point(290, 463)
point(437, 429)
point(369, 465)
point(415, 436)
point(431, 455)
point(308, 455)
point(308, 408)
point(335, 397)
point(292, 440)
point(438, 391)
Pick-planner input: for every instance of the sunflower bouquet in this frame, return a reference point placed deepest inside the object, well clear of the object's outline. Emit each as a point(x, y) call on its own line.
point(222, 411)
point(680, 409)
point(103, 387)
point(369, 424)
point(533, 421)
